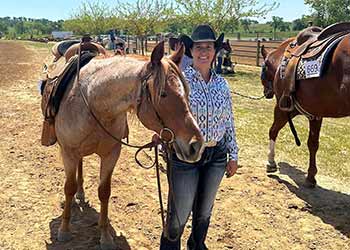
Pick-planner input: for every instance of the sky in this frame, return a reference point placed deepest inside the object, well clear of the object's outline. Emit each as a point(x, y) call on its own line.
point(63, 9)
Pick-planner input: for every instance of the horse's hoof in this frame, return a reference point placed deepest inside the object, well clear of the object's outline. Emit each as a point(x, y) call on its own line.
point(64, 236)
point(310, 184)
point(271, 167)
point(108, 246)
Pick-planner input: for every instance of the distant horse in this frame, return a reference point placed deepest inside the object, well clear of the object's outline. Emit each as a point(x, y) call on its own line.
point(109, 88)
point(325, 96)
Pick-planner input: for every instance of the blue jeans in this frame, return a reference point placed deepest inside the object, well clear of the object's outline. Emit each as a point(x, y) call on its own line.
point(194, 187)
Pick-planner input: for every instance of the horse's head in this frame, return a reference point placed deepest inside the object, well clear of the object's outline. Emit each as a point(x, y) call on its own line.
point(268, 70)
point(272, 60)
point(163, 104)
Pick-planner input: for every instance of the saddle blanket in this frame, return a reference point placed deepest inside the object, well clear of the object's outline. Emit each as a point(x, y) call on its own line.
point(311, 67)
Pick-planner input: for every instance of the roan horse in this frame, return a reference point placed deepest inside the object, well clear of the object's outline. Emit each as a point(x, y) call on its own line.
point(155, 90)
point(326, 96)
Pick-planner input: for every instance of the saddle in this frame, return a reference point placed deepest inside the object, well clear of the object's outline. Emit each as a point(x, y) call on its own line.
point(309, 44)
point(70, 47)
point(58, 75)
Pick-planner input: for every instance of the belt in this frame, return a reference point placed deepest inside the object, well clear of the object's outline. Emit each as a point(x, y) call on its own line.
point(210, 144)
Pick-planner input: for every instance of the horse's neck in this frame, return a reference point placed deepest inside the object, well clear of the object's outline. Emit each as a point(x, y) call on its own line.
point(113, 88)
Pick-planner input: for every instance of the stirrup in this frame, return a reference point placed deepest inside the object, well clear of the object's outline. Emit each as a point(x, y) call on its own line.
point(286, 103)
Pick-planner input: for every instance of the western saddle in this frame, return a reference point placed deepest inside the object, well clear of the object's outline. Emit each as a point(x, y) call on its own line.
point(309, 43)
point(69, 58)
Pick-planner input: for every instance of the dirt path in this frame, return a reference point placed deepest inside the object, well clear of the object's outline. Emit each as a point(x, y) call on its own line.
point(252, 211)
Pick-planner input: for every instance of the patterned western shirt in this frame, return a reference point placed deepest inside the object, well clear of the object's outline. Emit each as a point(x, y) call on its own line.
point(211, 106)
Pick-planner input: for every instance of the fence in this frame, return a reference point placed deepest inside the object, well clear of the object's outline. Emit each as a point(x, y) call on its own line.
point(248, 52)
point(244, 52)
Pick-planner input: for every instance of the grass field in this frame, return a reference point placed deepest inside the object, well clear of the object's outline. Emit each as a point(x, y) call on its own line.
point(253, 119)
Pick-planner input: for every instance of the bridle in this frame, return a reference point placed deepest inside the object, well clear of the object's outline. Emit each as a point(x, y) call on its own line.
point(263, 77)
point(145, 93)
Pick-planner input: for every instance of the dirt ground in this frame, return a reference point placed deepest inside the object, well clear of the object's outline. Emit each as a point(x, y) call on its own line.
point(252, 210)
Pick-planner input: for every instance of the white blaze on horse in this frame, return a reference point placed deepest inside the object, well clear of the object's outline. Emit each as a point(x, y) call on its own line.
point(155, 90)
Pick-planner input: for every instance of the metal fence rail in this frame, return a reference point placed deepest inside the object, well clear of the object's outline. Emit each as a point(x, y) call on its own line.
point(244, 52)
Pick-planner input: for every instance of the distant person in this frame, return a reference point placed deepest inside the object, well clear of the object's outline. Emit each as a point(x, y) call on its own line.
point(174, 43)
point(112, 39)
point(187, 59)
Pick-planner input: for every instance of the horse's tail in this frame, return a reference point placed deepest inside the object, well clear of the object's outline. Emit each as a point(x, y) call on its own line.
point(294, 132)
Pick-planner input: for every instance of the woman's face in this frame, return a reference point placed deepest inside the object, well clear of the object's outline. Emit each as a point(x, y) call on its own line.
point(203, 54)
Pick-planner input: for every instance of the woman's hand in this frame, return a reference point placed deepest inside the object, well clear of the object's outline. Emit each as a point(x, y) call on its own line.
point(231, 168)
point(156, 138)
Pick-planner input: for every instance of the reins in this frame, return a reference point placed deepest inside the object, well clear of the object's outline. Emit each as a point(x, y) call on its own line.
point(247, 96)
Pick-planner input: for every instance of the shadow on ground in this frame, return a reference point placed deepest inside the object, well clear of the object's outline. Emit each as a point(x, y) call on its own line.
point(85, 231)
point(330, 206)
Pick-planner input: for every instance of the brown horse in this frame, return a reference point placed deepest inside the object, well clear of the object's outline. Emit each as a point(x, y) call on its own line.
point(155, 90)
point(326, 96)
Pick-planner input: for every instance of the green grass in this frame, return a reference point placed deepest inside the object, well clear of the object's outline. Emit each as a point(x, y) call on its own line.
point(253, 119)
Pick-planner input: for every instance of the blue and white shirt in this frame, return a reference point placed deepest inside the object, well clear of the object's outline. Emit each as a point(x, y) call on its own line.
point(185, 62)
point(211, 106)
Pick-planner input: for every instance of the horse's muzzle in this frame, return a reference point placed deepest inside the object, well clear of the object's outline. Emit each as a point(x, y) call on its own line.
point(189, 152)
point(268, 93)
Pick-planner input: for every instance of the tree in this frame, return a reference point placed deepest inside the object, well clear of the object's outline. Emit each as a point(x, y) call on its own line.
point(300, 23)
point(145, 17)
point(327, 12)
point(92, 17)
point(3, 27)
point(245, 24)
point(220, 13)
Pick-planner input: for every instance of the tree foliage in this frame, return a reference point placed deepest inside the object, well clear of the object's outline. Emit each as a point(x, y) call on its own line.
point(327, 12)
point(246, 22)
point(14, 27)
point(300, 23)
point(91, 18)
point(144, 16)
point(222, 13)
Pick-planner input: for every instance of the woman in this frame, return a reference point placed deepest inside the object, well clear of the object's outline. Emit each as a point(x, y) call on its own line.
point(194, 185)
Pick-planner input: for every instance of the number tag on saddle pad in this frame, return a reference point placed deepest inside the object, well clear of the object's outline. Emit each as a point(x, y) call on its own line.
point(312, 69)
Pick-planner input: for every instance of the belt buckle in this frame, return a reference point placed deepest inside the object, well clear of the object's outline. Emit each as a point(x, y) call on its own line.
point(210, 144)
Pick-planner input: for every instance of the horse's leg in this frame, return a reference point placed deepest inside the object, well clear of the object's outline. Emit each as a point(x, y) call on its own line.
point(312, 143)
point(80, 195)
point(279, 120)
point(108, 162)
point(71, 164)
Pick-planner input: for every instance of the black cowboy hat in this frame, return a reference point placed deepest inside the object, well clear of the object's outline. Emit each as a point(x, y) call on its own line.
point(203, 33)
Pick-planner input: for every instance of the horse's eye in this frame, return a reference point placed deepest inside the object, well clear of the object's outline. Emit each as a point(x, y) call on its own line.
point(163, 94)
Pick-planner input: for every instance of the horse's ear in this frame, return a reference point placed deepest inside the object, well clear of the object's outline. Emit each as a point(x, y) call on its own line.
point(157, 53)
point(264, 52)
point(178, 54)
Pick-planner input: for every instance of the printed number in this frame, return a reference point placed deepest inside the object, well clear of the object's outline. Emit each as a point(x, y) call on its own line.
point(312, 68)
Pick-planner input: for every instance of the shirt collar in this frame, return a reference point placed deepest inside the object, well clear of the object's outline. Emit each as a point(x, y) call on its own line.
point(192, 72)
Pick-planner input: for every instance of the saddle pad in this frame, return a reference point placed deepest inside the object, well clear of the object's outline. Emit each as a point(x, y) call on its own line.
point(54, 89)
point(315, 66)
